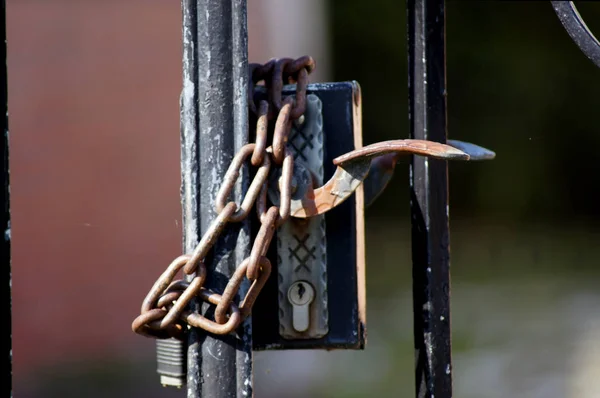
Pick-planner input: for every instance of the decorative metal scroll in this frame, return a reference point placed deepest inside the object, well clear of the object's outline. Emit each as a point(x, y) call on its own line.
point(576, 28)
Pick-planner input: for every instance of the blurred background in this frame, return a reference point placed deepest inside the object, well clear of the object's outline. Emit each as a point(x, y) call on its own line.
point(94, 133)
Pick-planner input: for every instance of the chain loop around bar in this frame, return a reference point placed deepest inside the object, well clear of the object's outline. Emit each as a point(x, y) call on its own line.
point(165, 311)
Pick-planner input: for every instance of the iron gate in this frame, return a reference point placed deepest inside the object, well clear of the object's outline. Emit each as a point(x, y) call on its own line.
point(207, 103)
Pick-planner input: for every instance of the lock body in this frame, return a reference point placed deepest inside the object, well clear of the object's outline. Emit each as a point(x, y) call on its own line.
point(302, 242)
point(316, 295)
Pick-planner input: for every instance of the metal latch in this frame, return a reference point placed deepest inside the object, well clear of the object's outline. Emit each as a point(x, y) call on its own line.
point(317, 299)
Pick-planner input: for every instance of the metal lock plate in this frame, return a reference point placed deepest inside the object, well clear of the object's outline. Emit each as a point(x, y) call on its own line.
point(315, 297)
point(302, 242)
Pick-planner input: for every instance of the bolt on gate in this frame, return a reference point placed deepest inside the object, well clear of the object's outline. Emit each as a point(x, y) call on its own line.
point(274, 184)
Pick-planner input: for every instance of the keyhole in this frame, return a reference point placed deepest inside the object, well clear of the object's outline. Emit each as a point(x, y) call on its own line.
point(301, 290)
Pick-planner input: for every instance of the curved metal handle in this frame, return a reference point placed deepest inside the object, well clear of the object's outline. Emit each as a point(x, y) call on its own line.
point(576, 28)
point(377, 160)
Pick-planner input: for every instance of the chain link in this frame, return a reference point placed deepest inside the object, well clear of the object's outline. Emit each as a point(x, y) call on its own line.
point(165, 311)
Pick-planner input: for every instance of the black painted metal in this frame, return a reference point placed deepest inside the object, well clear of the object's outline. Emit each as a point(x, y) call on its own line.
point(429, 200)
point(171, 354)
point(6, 253)
point(345, 328)
point(214, 126)
point(574, 25)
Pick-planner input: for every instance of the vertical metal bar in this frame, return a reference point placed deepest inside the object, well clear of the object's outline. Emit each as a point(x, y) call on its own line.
point(214, 126)
point(244, 375)
point(171, 354)
point(429, 200)
point(6, 258)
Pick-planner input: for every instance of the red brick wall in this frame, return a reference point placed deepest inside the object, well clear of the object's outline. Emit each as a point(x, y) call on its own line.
point(94, 134)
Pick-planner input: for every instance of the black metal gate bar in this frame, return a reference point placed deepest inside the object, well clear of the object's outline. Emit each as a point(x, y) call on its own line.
point(6, 253)
point(6, 260)
point(429, 200)
point(214, 127)
point(245, 382)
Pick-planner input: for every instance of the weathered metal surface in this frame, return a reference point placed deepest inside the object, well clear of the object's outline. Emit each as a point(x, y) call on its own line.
point(429, 200)
point(302, 244)
point(475, 152)
point(214, 128)
point(379, 160)
point(6, 228)
point(170, 306)
point(345, 239)
point(382, 167)
point(576, 28)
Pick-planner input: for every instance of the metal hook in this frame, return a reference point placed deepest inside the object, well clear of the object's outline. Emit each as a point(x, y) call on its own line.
point(378, 162)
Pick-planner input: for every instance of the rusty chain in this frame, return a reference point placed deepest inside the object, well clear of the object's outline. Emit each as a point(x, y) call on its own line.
point(164, 311)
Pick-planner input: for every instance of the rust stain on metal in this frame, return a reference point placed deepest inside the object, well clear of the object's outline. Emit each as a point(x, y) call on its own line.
point(163, 311)
point(354, 167)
